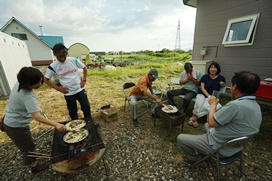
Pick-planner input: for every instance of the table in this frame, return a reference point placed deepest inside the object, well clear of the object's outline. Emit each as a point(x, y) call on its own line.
point(174, 119)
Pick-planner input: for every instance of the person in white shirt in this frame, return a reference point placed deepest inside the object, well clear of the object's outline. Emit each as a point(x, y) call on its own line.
point(66, 71)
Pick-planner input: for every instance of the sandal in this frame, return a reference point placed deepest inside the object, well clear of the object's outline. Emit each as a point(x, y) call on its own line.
point(191, 122)
point(195, 124)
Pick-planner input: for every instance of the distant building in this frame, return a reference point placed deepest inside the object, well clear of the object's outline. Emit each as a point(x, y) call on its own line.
point(98, 53)
point(78, 50)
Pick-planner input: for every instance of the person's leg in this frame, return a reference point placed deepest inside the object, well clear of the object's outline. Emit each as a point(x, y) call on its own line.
point(172, 93)
point(84, 103)
point(200, 99)
point(72, 106)
point(187, 99)
point(194, 144)
point(154, 104)
point(23, 140)
point(134, 106)
point(206, 108)
point(134, 109)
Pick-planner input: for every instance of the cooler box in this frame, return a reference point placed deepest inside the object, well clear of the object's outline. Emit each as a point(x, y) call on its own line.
point(265, 90)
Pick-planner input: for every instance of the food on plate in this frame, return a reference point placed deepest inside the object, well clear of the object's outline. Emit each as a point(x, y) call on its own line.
point(169, 109)
point(268, 79)
point(75, 125)
point(75, 136)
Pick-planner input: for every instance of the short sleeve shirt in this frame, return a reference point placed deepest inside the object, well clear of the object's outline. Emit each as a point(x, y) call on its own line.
point(211, 84)
point(191, 85)
point(240, 117)
point(142, 85)
point(20, 106)
point(67, 73)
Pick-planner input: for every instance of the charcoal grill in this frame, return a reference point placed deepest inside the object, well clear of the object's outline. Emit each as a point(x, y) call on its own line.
point(75, 157)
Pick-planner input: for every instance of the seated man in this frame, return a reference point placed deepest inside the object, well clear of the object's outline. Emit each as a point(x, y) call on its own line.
point(140, 91)
point(190, 81)
point(240, 117)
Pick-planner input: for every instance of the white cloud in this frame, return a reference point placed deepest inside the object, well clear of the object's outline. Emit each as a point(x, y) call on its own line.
point(105, 25)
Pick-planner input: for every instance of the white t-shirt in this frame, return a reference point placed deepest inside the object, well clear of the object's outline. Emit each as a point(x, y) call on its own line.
point(67, 73)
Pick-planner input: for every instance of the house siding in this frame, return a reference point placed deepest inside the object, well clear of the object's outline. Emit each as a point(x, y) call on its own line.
point(211, 22)
point(38, 50)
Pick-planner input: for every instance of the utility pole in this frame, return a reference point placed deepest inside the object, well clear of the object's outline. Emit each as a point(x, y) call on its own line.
point(177, 44)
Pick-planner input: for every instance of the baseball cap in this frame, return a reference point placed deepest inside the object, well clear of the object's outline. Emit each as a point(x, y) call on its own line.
point(154, 73)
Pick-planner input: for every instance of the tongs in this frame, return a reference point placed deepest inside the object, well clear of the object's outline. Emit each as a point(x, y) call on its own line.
point(168, 106)
point(39, 155)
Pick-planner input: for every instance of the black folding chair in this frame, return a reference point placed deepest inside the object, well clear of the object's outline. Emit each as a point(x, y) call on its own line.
point(126, 89)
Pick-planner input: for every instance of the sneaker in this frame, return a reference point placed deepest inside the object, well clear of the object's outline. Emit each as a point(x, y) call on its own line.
point(135, 122)
point(40, 167)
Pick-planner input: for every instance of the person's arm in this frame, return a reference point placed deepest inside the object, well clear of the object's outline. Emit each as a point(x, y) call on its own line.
point(39, 117)
point(213, 103)
point(183, 81)
point(202, 86)
point(84, 79)
point(54, 86)
point(153, 96)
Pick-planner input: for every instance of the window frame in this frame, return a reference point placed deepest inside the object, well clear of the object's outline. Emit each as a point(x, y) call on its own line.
point(20, 36)
point(250, 34)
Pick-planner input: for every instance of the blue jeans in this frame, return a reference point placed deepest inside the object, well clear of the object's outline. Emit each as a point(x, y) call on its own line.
point(82, 98)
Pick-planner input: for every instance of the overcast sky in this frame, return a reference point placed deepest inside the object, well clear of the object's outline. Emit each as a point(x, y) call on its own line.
point(107, 25)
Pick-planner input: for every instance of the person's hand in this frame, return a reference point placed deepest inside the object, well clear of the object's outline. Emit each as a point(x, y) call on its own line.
point(222, 83)
point(63, 90)
point(82, 84)
point(189, 76)
point(60, 127)
point(213, 101)
point(159, 101)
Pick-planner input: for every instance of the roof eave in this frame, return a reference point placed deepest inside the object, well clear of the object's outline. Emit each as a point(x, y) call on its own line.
point(14, 19)
point(192, 3)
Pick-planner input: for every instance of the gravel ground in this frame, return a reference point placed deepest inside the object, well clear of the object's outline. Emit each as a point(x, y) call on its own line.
point(143, 153)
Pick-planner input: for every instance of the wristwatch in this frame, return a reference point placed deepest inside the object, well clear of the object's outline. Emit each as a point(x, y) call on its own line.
point(84, 80)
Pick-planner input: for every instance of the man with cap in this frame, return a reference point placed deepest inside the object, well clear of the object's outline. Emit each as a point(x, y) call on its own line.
point(143, 90)
point(190, 81)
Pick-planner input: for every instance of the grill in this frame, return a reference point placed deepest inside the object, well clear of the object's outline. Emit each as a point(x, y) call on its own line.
point(76, 157)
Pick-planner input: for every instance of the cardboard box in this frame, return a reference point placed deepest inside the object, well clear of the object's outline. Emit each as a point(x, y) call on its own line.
point(110, 114)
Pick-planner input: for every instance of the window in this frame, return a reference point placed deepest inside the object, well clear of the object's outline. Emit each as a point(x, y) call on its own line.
point(19, 36)
point(241, 31)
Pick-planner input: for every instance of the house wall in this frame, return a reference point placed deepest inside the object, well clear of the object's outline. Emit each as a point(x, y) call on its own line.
point(211, 22)
point(39, 52)
point(13, 56)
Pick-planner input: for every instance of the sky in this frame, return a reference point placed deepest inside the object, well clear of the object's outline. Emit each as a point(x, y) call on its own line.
point(107, 25)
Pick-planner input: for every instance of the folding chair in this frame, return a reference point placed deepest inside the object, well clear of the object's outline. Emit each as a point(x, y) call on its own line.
point(234, 143)
point(39, 123)
point(126, 89)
